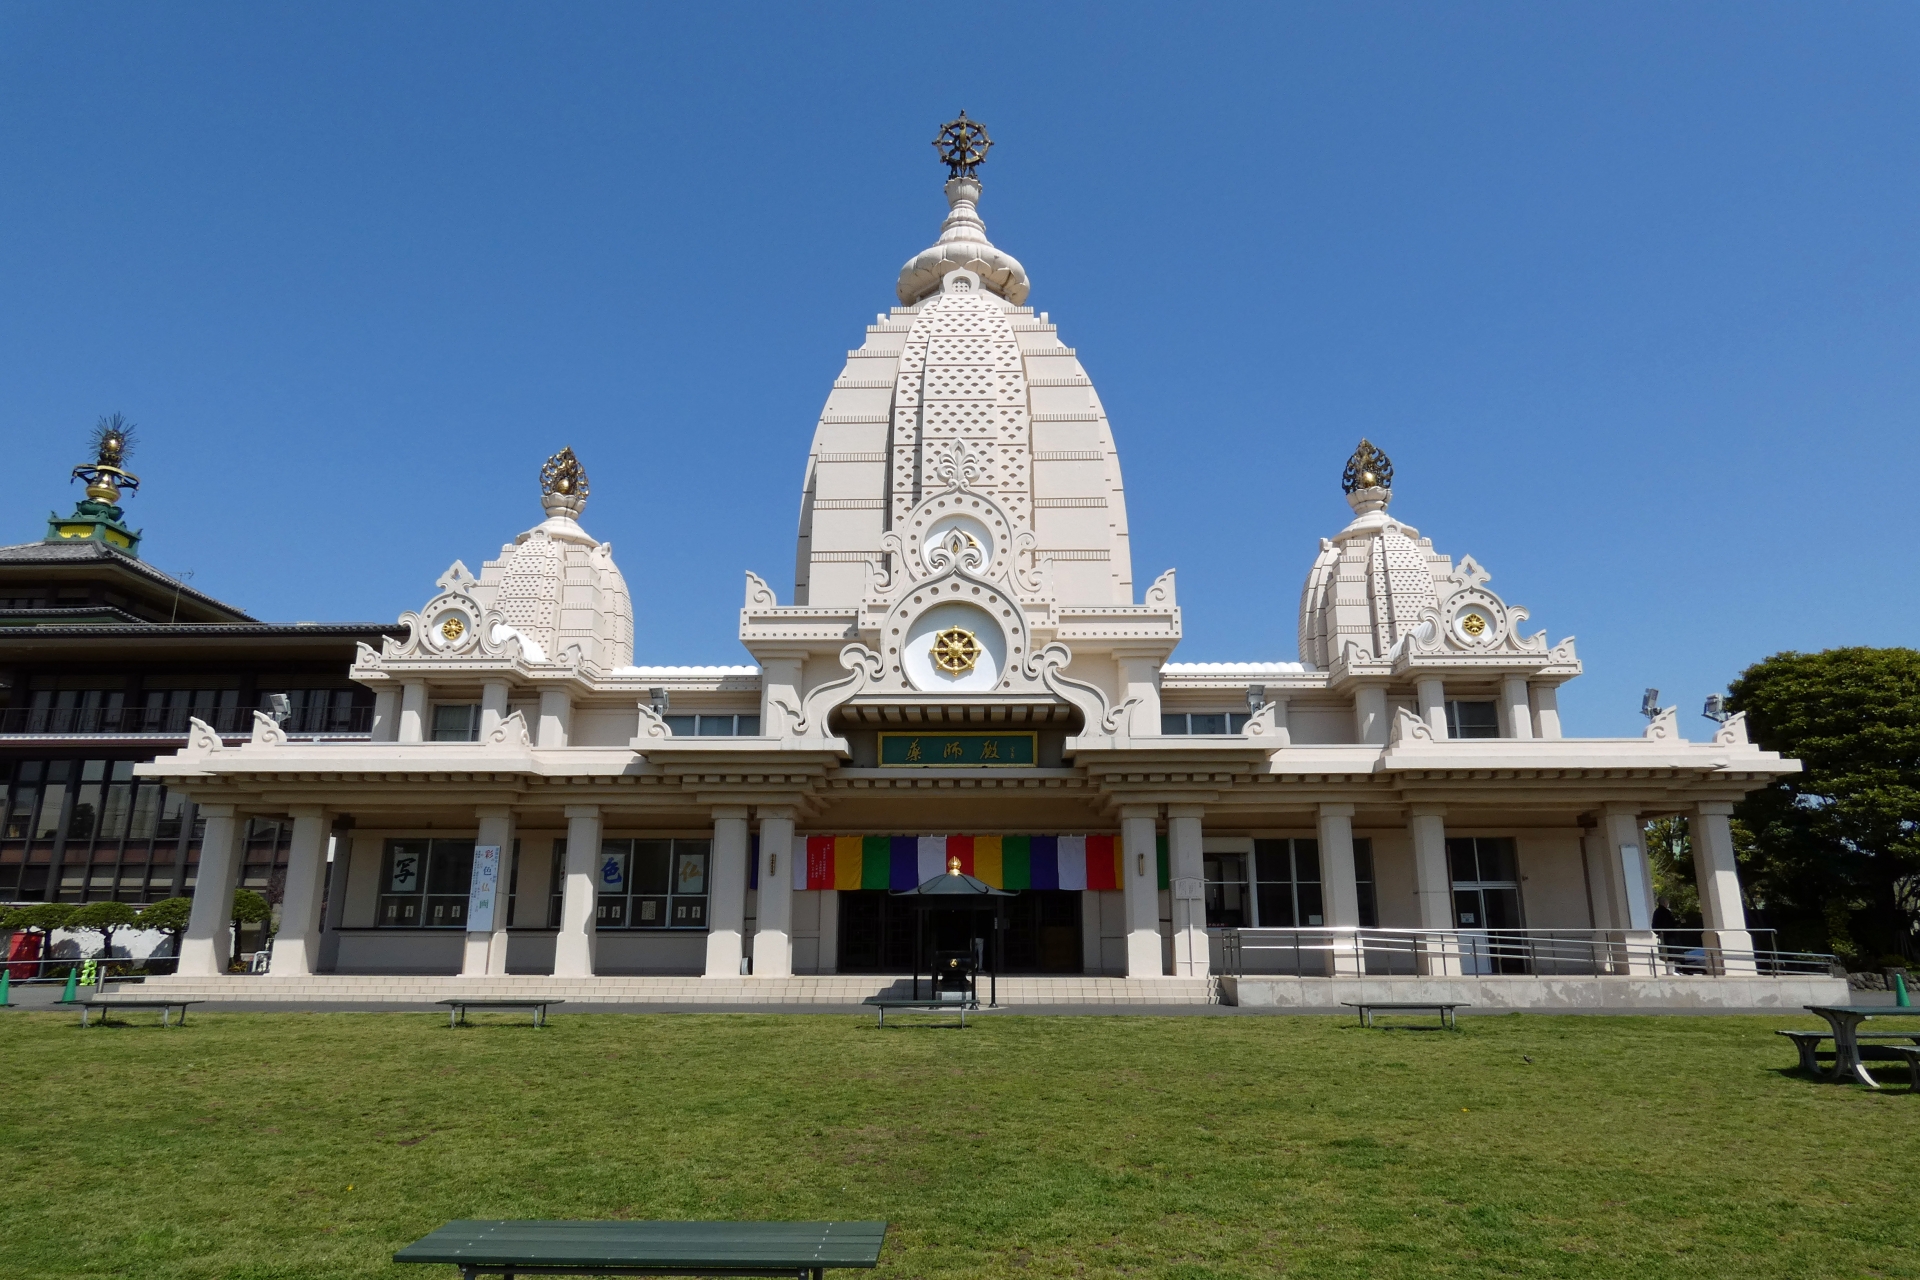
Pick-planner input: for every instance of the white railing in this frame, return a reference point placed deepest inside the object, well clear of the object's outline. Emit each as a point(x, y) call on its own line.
point(1327, 952)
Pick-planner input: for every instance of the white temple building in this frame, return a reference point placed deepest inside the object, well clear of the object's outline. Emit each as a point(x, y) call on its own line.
point(965, 675)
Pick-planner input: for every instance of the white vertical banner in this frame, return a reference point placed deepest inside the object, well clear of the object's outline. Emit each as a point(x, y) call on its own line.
point(485, 889)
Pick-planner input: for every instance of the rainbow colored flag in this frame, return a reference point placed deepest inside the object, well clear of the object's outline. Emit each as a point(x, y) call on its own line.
point(1005, 862)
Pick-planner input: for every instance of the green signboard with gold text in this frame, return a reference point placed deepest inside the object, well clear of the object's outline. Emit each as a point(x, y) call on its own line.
point(958, 750)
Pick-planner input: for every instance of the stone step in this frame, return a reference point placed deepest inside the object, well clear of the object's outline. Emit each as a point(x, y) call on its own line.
point(822, 989)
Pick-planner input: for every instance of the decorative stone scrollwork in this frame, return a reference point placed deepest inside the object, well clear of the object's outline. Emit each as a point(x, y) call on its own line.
point(1664, 727)
point(652, 727)
point(1161, 594)
point(1269, 725)
point(266, 732)
point(1047, 666)
point(759, 594)
point(1409, 728)
point(810, 719)
point(202, 738)
point(510, 732)
point(956, 466)
point(1732, 731)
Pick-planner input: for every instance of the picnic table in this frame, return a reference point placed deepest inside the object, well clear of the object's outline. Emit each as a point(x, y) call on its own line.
point(1845, 1019)
point(1444, 1008)
point(457, 1014)
point(508, 1248)
point(164, 1006)
point(925, 1006)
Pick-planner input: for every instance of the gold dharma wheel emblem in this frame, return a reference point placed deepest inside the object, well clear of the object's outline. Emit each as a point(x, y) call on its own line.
point(955, 651)
point(453, 629)
point(1473, 624)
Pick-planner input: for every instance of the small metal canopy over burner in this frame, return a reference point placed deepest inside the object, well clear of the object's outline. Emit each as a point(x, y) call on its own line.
point(958, 972)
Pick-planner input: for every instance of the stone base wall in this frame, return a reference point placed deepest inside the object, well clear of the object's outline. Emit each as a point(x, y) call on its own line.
point(1622, 995)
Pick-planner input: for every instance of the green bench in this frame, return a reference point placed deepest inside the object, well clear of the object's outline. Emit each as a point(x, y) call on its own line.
point(457, 1009)
point(166, 1008)
point(1810, 1043)
point(803, 1250)
point(1445, 1008)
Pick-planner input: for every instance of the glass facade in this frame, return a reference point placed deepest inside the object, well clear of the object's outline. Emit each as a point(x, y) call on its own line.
point(652, 884)
point(1473, 720)
point(1202, 722)
point(424, 884)
point(706, 726)
point(81, 830)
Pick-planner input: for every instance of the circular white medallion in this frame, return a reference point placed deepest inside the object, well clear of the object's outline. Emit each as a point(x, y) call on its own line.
point(929, 640)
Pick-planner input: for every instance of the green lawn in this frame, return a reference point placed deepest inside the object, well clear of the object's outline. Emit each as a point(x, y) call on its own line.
point(316, 1144)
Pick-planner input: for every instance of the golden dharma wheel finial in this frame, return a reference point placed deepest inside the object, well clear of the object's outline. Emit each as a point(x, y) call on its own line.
point(1368, 468)
point(962, 144)
point(112, 442)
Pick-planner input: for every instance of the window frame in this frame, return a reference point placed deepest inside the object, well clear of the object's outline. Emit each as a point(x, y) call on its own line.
point(616, 912)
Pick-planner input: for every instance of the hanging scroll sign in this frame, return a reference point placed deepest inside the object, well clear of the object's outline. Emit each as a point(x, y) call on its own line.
point(485, 888)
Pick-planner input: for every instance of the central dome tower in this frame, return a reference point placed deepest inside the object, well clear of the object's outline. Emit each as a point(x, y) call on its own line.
point(963, 363)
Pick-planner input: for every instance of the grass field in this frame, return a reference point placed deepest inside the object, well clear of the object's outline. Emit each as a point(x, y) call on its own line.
point(252, 1145)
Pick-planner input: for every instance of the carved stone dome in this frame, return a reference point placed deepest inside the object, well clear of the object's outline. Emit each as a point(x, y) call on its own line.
point(1374, 582)
point(963, 246)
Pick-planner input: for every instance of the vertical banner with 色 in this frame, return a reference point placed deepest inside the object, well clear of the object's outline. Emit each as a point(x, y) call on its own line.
point(485, 888)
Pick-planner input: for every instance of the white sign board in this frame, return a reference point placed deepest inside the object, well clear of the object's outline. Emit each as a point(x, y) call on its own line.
point(485, 890)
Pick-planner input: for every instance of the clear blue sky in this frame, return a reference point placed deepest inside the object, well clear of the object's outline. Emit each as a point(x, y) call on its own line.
point(1631, 293)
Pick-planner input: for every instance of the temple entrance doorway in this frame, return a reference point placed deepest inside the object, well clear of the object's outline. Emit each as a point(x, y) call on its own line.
point(876, 932)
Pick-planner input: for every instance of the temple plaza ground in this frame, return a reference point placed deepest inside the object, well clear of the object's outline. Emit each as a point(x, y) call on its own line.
point(314, 1144)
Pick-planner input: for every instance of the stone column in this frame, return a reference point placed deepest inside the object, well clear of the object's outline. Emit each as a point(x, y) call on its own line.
point(556, 719)
point(1433, 880)
point(1630, 884)
point(1516, 709)
point(573, 949)
point(1433, 705)
point(493, 708)
point(1370, 714)
point(413, 711)
point(1342, 889)
point(207, 947)
point(1140, 681)
point(386, 716)
point(1546, 711)
point(1186, 876)
point(296, 948)
point(1718, 876)
point(486, 950)
point(1140, 885)
point(773, 929)
point(727, 892)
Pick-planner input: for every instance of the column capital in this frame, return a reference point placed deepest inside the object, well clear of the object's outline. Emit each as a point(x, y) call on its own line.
point(316, 812)
point(1714, 808)
point(1620, 809)
point(1336, 811)
point(774, 813)
point(1139, 812)
point(216, 810)
point(582, 811)
point(501, 811)
point(737, 812)
point(1427, 811)
point(1186, 811)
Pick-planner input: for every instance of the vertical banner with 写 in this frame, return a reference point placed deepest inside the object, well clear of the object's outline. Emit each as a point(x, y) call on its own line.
point(485, 889)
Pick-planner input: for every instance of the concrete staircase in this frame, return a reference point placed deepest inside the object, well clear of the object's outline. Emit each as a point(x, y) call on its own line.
point(826, 989)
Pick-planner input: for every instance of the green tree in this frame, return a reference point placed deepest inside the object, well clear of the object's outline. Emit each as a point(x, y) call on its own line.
point(1833, 853)
point(1670, 857)
point(103, 918)
point(168, 916)
point(249, 908)
point(43, 918)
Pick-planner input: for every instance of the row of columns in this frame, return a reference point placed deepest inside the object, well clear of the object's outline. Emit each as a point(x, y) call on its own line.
point(1616, 866)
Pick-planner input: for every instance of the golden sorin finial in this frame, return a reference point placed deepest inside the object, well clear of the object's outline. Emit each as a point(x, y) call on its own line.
point(112, 442)
point(563, 484)
point(1368, 468)
point(962, 144)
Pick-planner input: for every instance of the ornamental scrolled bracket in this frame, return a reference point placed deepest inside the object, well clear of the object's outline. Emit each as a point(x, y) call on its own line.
point(266, 732)
point(1732, 731)
point(653, 727)
point(1409, 728)
point(510, 732)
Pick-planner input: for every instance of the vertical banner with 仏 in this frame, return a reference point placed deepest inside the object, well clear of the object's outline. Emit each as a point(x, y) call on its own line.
point(485, 888)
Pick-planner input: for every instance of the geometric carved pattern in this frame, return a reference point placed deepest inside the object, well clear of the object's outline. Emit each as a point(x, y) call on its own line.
point(961, 377)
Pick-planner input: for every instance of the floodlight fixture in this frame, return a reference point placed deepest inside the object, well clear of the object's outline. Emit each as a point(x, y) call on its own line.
point(1650, 704)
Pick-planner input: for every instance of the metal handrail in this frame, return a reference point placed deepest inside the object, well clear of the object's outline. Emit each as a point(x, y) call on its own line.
point(1472, 952)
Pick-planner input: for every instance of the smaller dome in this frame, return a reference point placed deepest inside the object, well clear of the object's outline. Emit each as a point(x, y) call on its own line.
point(1375, 580)
point(963, 246)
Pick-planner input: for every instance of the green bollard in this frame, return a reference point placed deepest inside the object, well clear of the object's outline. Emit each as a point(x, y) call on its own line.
point(1900, 991)
point(6, 987)
point(72, 993)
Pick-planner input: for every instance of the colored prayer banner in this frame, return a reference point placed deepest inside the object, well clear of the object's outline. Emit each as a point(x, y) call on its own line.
point(1004, 862)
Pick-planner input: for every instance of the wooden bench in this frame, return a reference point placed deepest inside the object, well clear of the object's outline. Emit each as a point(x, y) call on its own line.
point(164, 1006)
point(1808, 1043)
point(1442, 1007)
point(804, 1250)
point(924, 1006)
point(457, 1012)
